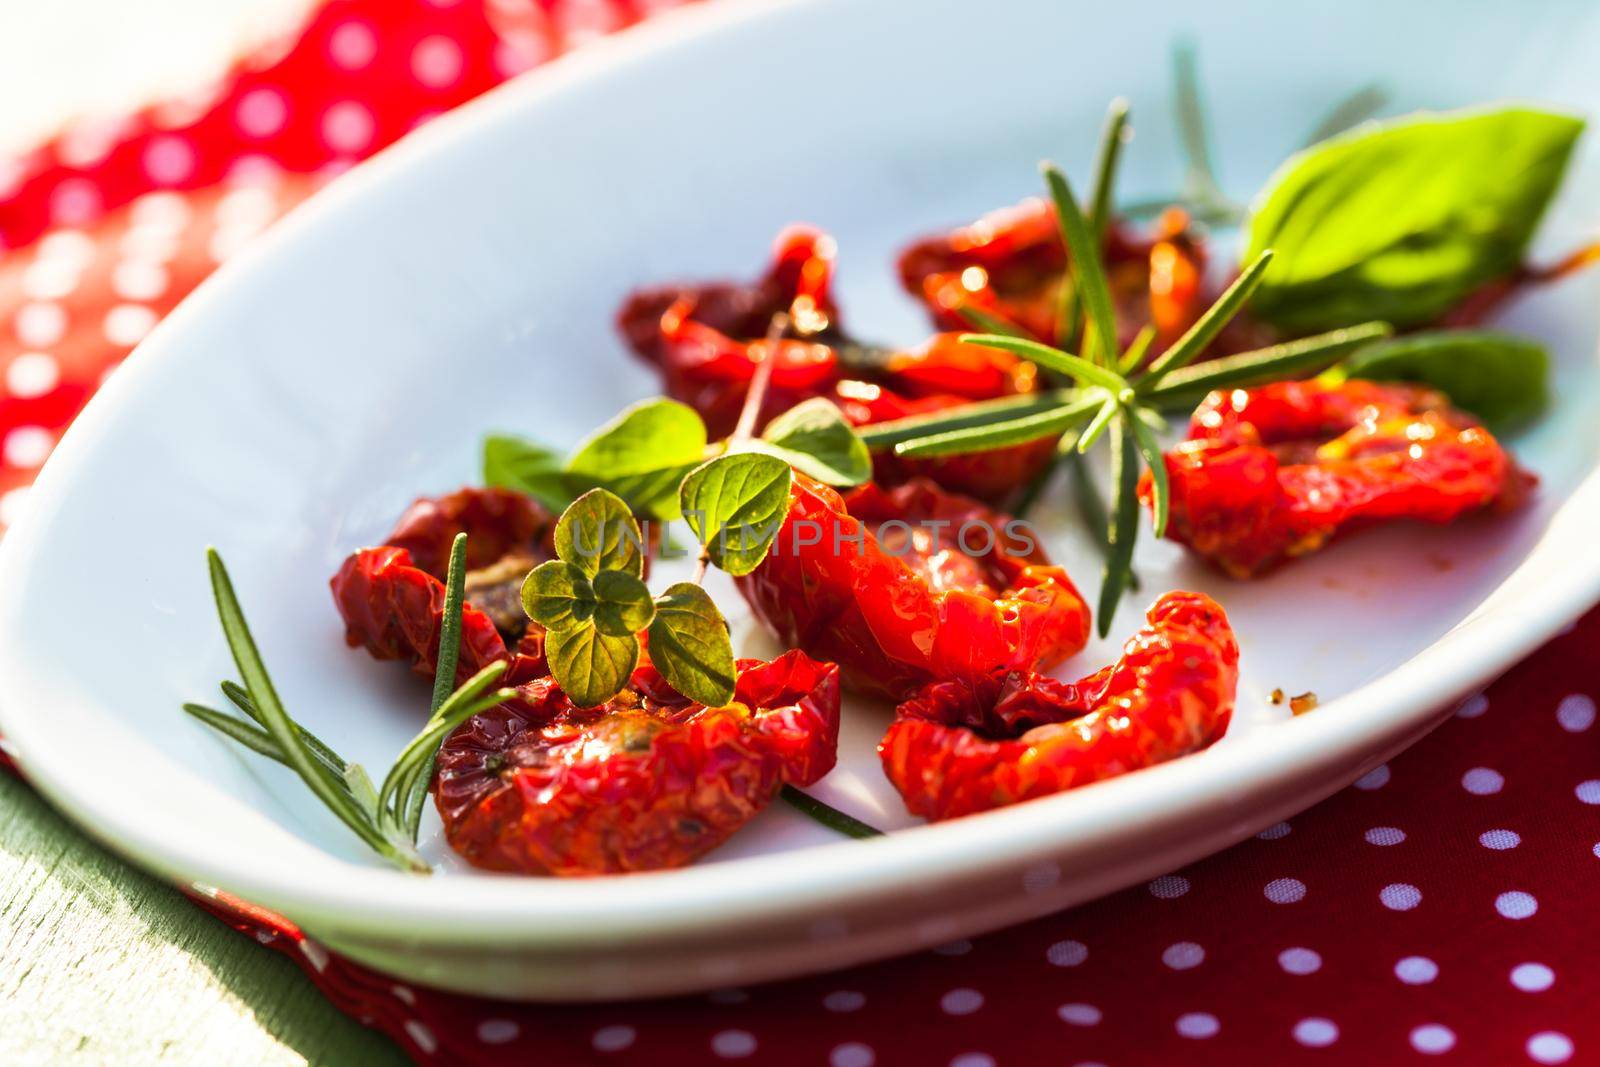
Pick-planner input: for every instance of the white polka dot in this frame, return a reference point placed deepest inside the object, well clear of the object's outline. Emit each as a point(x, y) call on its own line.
point(1472, 707)
point(155, 244)
point(501, 1031)
point(70, 248)
point(1169, 886)
point(423, 1037)
point(1499, 840)
point(1416, 970)
point(1198, 1024)
point(961, 1001)
point(1385, 835)
point(844, 1000)
point(1433, 1039)
point(1575, 713)
point(139, 279)
point(347, 127)
point(733, 1044)
point(249, 206)
point(261, 112)
point(1482, 781)
point(166, 210)
point(1596, 850)
point(852, 1054)
point(1079, 1014)
point(1275, 831)
point(1300, 960)
point(1316, 1032)
point(32, 374)
point(1376, 778)
point(27, 447)
point(1532, 977)
point(352, 44)
point(127, 324)
point(973, 1059)
point(75, 201)
point(40, 325)
point(1588, 792)
point(1285, 890)
point(613, 1038)
point(169, 160)
point(1069, 953)
point(11, 505)
point(1516, 904)
point(50, 279)
point(1550, 1047)
point(953, 948)
point(436, 62)
point(1400, 896)
point(1183, 955)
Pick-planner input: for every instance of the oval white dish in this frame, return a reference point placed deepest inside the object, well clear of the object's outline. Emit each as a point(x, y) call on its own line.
point(465, 281)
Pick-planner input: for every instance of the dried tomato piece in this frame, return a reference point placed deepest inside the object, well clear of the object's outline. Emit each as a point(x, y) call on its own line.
point(909, 585)
point(392, 597)
point(1276, 472)
point(1012, 264)
point(971, 744)
point(645, 781)
point(707, 340)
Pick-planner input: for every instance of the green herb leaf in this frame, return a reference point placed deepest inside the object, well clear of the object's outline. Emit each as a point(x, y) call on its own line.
point(735, 504)
point(980, 319)
point(598, 533)
point(591, 667)
point(990, 436)
point(558, 596)
point(1275, 363)
point(1498, 377)
point(980, 413)
point(455, 595)
point(1123, 529)
point(1083, 259)
point(1401, 220)
point(1348, 113)
point(827, 815)
point(622, 604)
point(1207, 326)
point(643, 454)
point(1150, 449)
point(528, 467)
point(813, 437)
point(689, 645)
point(1054, 358)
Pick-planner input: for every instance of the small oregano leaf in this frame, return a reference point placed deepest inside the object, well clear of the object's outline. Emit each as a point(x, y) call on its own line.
point(1499, 377)
point(813, 437)
point(735, 504)
point(643, 454)
point(528, 467)
point(598, 533)
point(622, 604)
point(557, 595)
point(591, 667)
point(689, 645)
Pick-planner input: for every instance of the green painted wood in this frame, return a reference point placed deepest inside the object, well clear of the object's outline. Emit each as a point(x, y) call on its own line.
point(101, 964)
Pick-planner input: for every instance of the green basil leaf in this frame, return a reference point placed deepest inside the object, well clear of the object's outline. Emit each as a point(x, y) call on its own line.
point(735, 505)
point(622, 604)
point(558, 596)
point(643, 454)
point(591, 667)
point(528, 467)
point(813, 437)
point(598, 533)
point(690, 647)
point(1400, 220)
point(1500, 378)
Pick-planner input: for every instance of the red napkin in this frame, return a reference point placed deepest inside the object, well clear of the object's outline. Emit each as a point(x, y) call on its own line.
point(1443, 907)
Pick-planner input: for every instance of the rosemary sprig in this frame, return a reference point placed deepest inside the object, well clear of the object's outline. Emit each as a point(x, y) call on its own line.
point(828, 816)
point(387, 820)
point(1114, 398)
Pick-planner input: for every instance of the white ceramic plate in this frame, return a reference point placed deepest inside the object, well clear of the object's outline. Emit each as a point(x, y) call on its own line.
point(466, 281)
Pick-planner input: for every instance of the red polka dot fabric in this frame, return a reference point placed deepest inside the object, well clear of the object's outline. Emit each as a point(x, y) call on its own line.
point(1442, 909)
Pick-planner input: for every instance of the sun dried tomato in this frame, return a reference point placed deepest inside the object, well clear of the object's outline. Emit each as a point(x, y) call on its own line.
point(909, 585)
point(392, 597)
point(1012, 264)
point(707, 340)
point(1275, 472)
point(971, 744)
point(645, 781)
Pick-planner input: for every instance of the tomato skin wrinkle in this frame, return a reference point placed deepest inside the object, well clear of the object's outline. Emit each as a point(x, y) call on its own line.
point(391, 598)
point(1275, 472)
point(963, 746)
point(646, 781)
point(705, 342)
point(893, 622)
